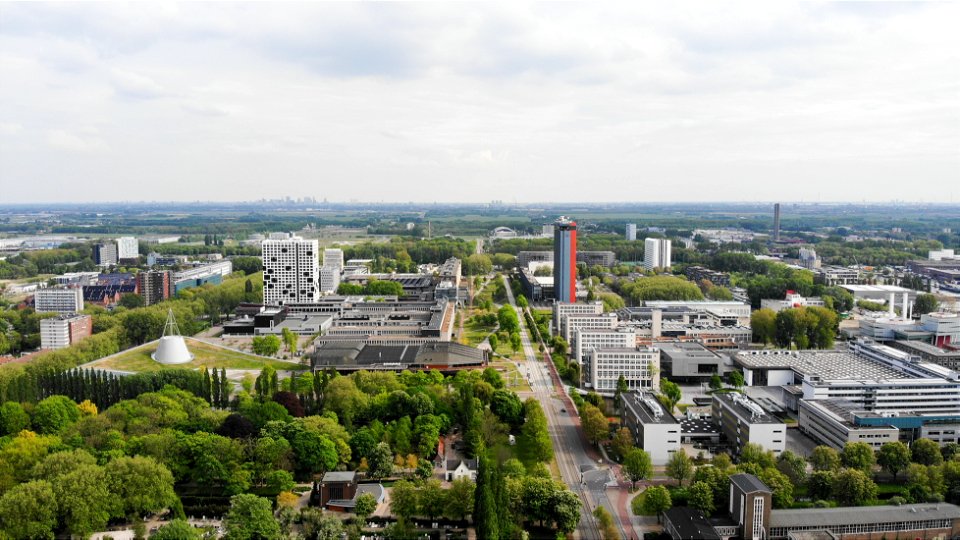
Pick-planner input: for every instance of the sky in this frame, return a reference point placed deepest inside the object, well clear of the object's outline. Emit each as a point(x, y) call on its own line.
point(472, 102)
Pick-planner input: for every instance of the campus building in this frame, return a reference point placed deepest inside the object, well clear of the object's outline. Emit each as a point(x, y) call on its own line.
point(833, 422)
point(743, 421)
point(333, 257)
point(290, 270)
point(329, 279)
point(562, 309)
point(639, 366)
point(654, 429)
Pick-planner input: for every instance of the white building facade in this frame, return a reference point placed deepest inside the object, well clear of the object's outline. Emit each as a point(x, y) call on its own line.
point(329, 279)
point(60, 300)
point(290, 271)
point(562, 309)
point(127, 248)
point(656, 253)
point(333, 257)
point(639, 366)
point(631, 233)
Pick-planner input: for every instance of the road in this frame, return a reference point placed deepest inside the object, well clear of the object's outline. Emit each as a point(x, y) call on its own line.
point(569, 451)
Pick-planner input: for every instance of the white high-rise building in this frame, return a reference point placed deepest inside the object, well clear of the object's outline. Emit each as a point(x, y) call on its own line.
point(291, 274)
point(58, 299)
point(127, 248)
point(656, 253)
point(631, 231)
point(329, 279)
point(333, 257)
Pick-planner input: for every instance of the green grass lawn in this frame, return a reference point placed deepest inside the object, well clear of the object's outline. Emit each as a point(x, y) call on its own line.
point(474, 333)
point(205, 355)
point(510, 373)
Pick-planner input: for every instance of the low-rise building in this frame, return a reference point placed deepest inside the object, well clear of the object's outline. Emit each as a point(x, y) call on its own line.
point(792, 300)
point(743, 421)
point(571, 323)
point(58, 299)
point(461, 468)
point(349, 356)
point(654, 429)
point(64, 330)
point(639, 366)
point(202, 274)
point(689, 361)
point(697, 274)
point(831, 422)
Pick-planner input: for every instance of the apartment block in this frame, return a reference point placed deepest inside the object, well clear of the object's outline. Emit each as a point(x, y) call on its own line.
point(64, 330)
point(59, 300)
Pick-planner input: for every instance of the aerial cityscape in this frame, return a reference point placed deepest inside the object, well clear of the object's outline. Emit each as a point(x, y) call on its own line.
point(479, 271)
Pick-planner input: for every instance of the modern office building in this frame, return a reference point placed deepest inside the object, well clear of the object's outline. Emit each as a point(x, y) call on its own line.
point(656, 253)
point(639, 366)
point(58, 299)
point(565, 260)
point(744, 421)
point(105, 254)
point(64, 330)
point(792, 300)
point(329, 279)
point(127, 249)
point(833, 422)
point(524, 258)
point(572, 323)
point(290, 271)
point(349, 356)
point(202, 274)
point(597, 258)
point(654, 429)
point(585, 339)
point(631, 234)
point(740, 309)
point(333, 257)
point(697, 274)
point(948, 358)
point(689, 361)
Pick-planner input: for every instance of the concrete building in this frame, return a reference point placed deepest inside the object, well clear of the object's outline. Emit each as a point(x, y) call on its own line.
point(743, 421)
point(329, 279)
point(792, 300)
point(631, 234)
point(154, 286)
point(936, 520)
point(451, 270)
point(333, 257)
point(536, 288)
point(105, 254)
point(689, 361)
point(832, 422)
point(565, 260)
point(639, 366)
point(524, 258)
point(739, 309)
point(597, 258)
point(80, 279)
point(654, 429)
point(656, 253)
point(697, 274)
point(562, 309)
point(837, 275)
point(571, 323)
point(127, 248)
point(349, 356)
point(64, 330)
point(59, 300)
point(948, 358)
point(585, 339)
point(809, 259)
point(201, 274)
point(290, 271)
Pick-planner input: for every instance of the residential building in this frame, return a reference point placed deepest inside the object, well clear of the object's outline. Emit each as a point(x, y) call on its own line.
point(743, 421)
point(631, 234)
point(64, 330)
point(154, 286)
point(597, 258)
point(832, 422)
point(58, 299)
point(461, 468)
point(697, 274)
point(290, 271)
point(127, 249)
point(654, 429)
point(639, 366)
point(105, 254)
point(792, 300)
point(329, 279)
point(333, 257)
point(656, 253)
point(565, 260)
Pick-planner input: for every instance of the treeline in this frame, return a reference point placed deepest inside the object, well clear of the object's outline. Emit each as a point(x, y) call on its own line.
point(194, 249)
point(811, 327)
point(420, 251)
point(635, 291)
point(67, 258)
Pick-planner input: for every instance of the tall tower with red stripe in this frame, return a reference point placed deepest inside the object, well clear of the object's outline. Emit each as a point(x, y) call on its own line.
point(565, 260)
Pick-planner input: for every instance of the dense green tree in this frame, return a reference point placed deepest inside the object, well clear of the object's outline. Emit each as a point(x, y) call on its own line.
point(85, 501)
point(365, 506)
point(13, 418)
point(824, 458)
point(925, 452)
point(266, 345)
point(754, 453)
point(852, 487)
point(701, 497)
point(178, 529)
point(764, 325)
point(637, 465)
point(679, 466)
point(859, 455)
point(534, 438)
point(381, 461)
point(60, 463)
point(735, 378)
point(594, 423)
point(671, 391)
point(250, 517)
point(460, 499)
point(54, 414)
point(894, 457)
point(925, 303)
point(608, 530)
point(781, 486)
point(656, 500)
point(792, 465)
point(621, 443)
point(29, 510)
point(820, 484)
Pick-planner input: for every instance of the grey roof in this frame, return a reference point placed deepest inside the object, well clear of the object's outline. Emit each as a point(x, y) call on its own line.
point(452, 464)
point(749, 483)
point(374, 489)
point(831, 517)
point(339, 476)
point(636, 406)
point(690, 524)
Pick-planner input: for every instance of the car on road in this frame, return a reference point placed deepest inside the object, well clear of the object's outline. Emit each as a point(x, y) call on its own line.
point(563, 410)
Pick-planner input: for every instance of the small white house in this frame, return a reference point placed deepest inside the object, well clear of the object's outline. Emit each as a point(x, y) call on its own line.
point(461, 468)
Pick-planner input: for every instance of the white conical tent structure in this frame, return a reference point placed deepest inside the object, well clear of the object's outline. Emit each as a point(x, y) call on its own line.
point(172, 349)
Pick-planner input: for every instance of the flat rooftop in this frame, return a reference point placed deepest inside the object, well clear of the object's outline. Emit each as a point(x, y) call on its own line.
point(759, 415)
point(866, 515)
point(687, 350)
point(648, 411)
point(828, 365)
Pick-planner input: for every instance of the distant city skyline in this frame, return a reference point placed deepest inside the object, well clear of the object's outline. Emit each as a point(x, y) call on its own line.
point(465, 102)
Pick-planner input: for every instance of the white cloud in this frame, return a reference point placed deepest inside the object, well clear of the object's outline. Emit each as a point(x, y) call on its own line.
point(564, 101)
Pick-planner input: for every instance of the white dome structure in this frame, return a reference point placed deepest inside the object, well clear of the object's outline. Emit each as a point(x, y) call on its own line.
point(172, 348)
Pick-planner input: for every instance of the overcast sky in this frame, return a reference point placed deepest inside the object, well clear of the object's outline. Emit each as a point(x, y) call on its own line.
point(663, 101)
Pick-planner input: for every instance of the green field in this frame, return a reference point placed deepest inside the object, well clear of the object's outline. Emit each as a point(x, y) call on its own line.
point(205, 355)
